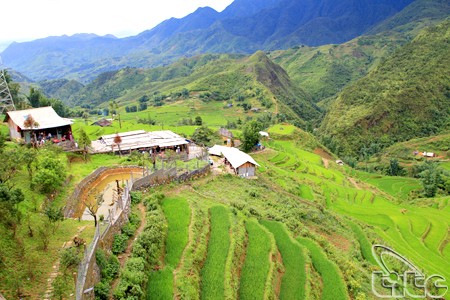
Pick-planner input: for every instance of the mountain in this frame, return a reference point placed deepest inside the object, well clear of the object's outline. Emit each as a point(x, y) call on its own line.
point(406, 96)
point(416, 16)
point(237, 79)
point(324, 71)
point(243, 27)
point(60, 88)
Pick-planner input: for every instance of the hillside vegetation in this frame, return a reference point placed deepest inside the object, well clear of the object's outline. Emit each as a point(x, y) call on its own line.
point(247, 82)
point(406, 96)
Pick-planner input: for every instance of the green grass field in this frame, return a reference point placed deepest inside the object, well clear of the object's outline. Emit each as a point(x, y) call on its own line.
point(293, 284)
point(177, 212)
point(334, 287)
point(403, 231)
point(213, 272)
point(257, 262)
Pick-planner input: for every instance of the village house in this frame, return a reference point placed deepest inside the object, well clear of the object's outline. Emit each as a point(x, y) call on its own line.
point(103, 123)
point(227, 136)
point(239, 162)
point(38, 125)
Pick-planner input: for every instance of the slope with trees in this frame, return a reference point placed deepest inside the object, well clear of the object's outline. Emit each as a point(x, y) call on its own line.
point(406, 96)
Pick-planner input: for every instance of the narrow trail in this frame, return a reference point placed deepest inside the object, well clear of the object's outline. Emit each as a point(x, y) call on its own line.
point(123, 257)
point(49, 290)
point(353, 181)
point(326, 162)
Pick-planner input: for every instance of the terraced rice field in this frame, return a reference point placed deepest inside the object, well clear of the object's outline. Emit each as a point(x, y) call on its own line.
point(213, 272)
point(418, 233)
point(334, 287)
point(256, 271)
point(293, 284)
point(177, 213)
point(222, 245)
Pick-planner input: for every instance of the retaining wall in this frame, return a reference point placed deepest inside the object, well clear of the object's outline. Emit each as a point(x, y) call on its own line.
point(74, 207)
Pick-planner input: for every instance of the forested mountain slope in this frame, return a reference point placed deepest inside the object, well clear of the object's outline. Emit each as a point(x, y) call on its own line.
point(406, 96)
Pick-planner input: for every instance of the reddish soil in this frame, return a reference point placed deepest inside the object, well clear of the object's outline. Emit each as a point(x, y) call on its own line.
point(278, 275)
point(353, 181)
point(322, 153)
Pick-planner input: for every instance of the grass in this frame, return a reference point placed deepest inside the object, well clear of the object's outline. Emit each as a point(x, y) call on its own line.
point(177, 213)
point(26, 264)
point(160, 285)
point(334, 287)
point(213, 272)
point(256, 265)
point(382, 211)
point(293, 255)
point(364, 244)
point(399, 187)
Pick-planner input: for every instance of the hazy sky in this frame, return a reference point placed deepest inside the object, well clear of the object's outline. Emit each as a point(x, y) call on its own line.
point(24, 20)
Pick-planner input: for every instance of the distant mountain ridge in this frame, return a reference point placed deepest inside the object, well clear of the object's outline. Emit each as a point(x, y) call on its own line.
point(243, 27)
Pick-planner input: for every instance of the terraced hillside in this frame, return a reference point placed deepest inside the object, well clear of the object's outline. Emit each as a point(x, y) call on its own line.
point(302, 230)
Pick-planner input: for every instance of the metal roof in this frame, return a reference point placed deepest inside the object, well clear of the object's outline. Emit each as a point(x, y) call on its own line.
point(235, 156)
point(139, 139)
point(46, 117)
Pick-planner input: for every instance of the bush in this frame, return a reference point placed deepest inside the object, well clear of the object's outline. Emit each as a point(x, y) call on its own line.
point(133, 280)
point(136, 197)
point(70, 257)
point(129, 229)
point(101, 290)
point(119, 243)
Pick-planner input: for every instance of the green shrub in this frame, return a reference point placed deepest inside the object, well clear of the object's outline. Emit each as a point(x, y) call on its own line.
point(136, 197)
point(133, 280)
point(129, 229)
point(101, 290)
point(70, 257)
point(119, 243)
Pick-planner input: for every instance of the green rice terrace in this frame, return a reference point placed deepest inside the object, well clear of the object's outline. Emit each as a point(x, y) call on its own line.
point(303, 229)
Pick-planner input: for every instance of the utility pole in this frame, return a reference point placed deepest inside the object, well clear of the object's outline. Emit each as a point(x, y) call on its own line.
point(6, 101)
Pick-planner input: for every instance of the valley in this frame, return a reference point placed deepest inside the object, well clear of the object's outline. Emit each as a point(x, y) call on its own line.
point(343, 111)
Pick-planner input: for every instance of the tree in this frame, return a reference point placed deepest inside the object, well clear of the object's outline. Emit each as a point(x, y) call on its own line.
point(92, 206)
point(205, 136)
point(85, 117)
point(30, 122)
point(250, 135)
point(114, 108)
point(55, 216)
point(431, 179)
point(143, 106)
point(185, 93)
point(9, 211)
point(394, 168)
point(34, 97)
point(84, 141)
point(50, 174)
point(198, 121)
point(144, 99)
point(118, 141)
point(10, 164)
point(2, 140)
